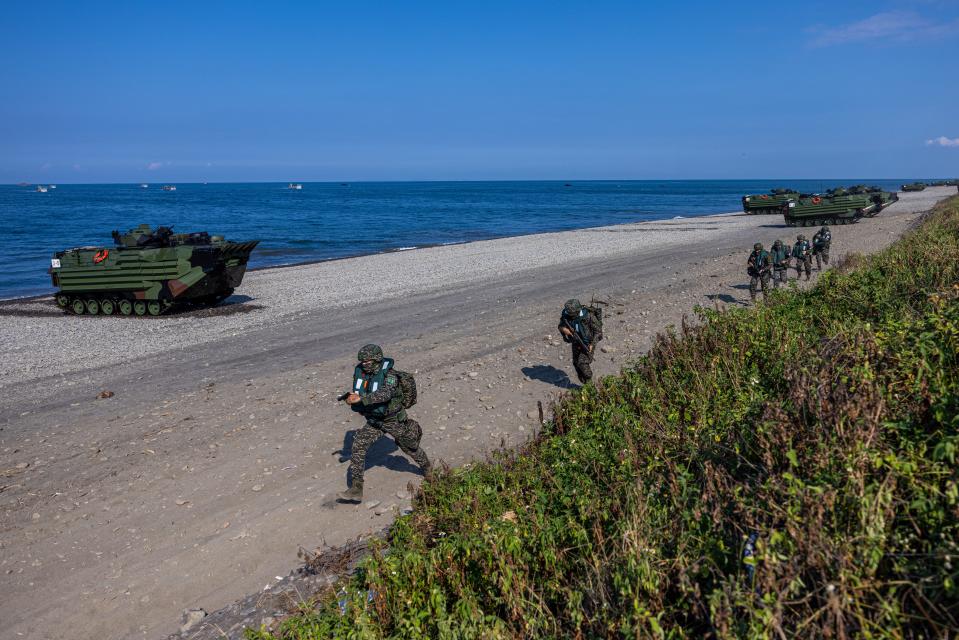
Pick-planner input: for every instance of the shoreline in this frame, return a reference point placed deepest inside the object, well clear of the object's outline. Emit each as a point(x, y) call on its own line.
point(47, 344)
point(431, 245)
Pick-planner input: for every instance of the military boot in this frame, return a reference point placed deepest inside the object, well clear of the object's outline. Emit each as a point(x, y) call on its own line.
point(353, 494)
point(420, 458)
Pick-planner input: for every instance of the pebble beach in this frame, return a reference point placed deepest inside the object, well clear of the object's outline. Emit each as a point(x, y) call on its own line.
point(39, 340)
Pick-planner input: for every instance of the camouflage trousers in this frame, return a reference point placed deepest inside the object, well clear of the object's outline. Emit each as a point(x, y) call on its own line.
point(755, 282)
point(779, 277)
point(824, 253)
point(582, 359)
point(804, 264)
point(405, 431)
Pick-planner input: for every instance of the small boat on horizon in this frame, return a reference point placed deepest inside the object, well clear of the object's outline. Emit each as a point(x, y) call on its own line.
point(168, 187)
point(52, 186)
point(41, 188)
point(144, 186)
point(295, 186)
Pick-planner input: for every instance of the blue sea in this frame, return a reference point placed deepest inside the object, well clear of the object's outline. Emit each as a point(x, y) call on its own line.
point(335, 220)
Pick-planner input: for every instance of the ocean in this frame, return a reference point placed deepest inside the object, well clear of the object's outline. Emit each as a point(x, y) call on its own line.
point(335, 220)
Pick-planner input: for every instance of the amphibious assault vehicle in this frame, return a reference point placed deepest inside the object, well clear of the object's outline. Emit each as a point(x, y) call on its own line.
point(817, 210)
point(883, 198)
point(914, 186)
point(149, 272)
point(771, 202)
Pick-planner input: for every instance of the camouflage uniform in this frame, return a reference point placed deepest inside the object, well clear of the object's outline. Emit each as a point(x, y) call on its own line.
point(405, 431)
point(385, 415)
point(780, 259)
point(820, 246)
point(802, 254)
point(757, 266)
point(590, 332)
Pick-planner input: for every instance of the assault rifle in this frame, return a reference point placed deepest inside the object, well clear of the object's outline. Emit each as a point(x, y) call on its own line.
point(575, 336)
point(343, 396)
point(756, 271)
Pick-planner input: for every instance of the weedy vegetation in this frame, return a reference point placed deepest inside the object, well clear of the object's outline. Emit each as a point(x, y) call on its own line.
point(825, 424)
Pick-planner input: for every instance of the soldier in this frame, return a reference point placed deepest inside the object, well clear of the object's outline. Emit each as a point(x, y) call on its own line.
point(780, 259)
point(820, 246)
point(581, 327)
point(378, 395)
point(802, 254)
point(757, 266)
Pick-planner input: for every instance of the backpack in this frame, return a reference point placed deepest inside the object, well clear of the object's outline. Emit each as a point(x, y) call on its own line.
point(407, 384)
point(597, 313)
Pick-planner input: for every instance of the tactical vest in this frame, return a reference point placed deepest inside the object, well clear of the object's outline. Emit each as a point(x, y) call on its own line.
point(367, 383)
point(822, 239)
point(761, 260)
point(579, 326)
point(779, 257)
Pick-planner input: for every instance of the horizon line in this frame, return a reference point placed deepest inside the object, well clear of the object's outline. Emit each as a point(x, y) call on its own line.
point(439, 181)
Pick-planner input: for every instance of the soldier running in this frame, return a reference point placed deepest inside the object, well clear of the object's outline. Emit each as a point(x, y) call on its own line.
point(820, 246)
point(757, 266)
point(802, 252)
point(378, 395)
point(779, 255)
point(581, 327)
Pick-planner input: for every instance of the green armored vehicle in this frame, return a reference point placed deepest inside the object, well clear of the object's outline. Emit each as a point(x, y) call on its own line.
point(771, 202)
point(882, 198)
point(149, 272)
point(914, 186)
point(878, 197)
point(944, 183)
point(817, 210)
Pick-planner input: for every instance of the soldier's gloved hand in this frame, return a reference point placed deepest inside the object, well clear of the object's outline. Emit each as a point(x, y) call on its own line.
point(353, 398)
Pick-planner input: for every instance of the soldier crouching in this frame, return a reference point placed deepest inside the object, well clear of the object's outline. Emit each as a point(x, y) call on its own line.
point(378, 396)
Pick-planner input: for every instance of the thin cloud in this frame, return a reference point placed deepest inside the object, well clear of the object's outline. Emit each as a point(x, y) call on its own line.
point(943, 141)
point(153, 166)
point(889, 26)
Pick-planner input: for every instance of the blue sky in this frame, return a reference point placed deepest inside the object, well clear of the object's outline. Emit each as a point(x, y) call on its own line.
point(243, 91)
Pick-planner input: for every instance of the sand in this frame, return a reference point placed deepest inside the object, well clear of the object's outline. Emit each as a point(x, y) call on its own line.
point(220, 450)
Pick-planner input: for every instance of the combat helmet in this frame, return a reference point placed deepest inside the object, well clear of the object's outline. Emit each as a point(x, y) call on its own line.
point(758, 246)
point(800, 237)
point(777, 243)
point(572, 307)
point(370, 357)
point(825, 227)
